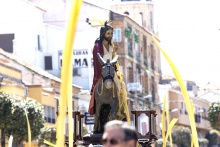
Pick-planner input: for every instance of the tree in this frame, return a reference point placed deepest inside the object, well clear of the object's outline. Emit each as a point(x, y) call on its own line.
point(214, 115)
point(18, 123)
point(203, 142)
point(181, 136)
point(213, 137)
point(5, 114)
point(13, 119)
point(159, 143)
point(48, 133)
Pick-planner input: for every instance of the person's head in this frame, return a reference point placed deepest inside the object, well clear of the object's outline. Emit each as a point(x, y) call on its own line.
point(119, 134)
point(106, 33)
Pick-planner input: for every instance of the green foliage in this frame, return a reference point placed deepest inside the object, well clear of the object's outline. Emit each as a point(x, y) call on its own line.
point(214, 115)
point(14, 122)
point(159, 143)
point(5, 109)
point(48, 133)
point(5, 115)
point(181, 136)
point(18, 121)
point(136, 38)
point(213, 137)
point(127, 33)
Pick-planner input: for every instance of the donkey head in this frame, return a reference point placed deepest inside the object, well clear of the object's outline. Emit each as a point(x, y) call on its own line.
point(108, 70)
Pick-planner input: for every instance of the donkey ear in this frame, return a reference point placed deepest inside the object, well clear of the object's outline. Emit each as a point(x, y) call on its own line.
point(101, 60)
point(114, 60)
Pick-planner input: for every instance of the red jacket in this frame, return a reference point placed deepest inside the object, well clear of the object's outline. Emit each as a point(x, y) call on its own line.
point(98, 48)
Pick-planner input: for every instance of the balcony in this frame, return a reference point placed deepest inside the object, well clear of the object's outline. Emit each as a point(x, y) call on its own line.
point(134, 87)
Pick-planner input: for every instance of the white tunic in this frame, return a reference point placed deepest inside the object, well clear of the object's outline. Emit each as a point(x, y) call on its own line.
point(108, 55)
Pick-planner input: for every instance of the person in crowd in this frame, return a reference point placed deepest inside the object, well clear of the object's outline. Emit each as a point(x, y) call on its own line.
point(119, 134)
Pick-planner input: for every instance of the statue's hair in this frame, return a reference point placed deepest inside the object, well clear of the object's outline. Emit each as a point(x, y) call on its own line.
point(129, 131)
point(103, 30)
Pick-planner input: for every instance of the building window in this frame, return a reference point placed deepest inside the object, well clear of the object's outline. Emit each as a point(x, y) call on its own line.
point(49, 114)
point(61, 63)
point(48, 62)
point(38, 43)
point(140, 18)
point(138, 73)
point(138, 54)
point(130, 75)
point(153, 90)
point(130, 51)
point(146, 84)
point(76, 72)
point(182, 110)
point(197, 118)
point(152, 52)
point(60, 58)
point(6, 42)
point(126, 12)
point(145, 50)
point(151, 21)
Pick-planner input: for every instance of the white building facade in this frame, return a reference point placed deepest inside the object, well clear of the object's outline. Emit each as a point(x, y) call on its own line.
point(21, 24)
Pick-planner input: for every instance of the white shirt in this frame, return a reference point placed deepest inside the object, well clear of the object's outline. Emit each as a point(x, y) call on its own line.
point(108, 55)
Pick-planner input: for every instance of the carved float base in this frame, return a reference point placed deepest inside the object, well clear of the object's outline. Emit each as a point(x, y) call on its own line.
point(94, 139)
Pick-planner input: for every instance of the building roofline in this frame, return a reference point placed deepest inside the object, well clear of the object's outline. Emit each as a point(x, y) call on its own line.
point(33, 68)
point(191, 97)
point(132, 3)
point(85, 1)
point(35, 85)
point(10, 67)
point(34, 5)
point(216, 93)
point(127, 16)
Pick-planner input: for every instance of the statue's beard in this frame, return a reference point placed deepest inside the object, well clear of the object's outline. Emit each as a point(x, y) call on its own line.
point(108, 39)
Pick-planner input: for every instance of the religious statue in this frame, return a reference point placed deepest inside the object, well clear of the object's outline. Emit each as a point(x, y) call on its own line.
point(108, 92)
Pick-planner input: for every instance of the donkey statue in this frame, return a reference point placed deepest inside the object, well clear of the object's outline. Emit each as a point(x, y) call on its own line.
point(106, 97)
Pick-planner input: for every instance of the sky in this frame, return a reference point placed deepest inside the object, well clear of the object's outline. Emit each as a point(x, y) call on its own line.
point(189, 34)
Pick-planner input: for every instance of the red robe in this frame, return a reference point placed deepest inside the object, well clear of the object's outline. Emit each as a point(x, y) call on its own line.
point(98, 48)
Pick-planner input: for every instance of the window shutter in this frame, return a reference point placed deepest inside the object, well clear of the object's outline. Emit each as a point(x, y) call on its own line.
point(48, 63)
